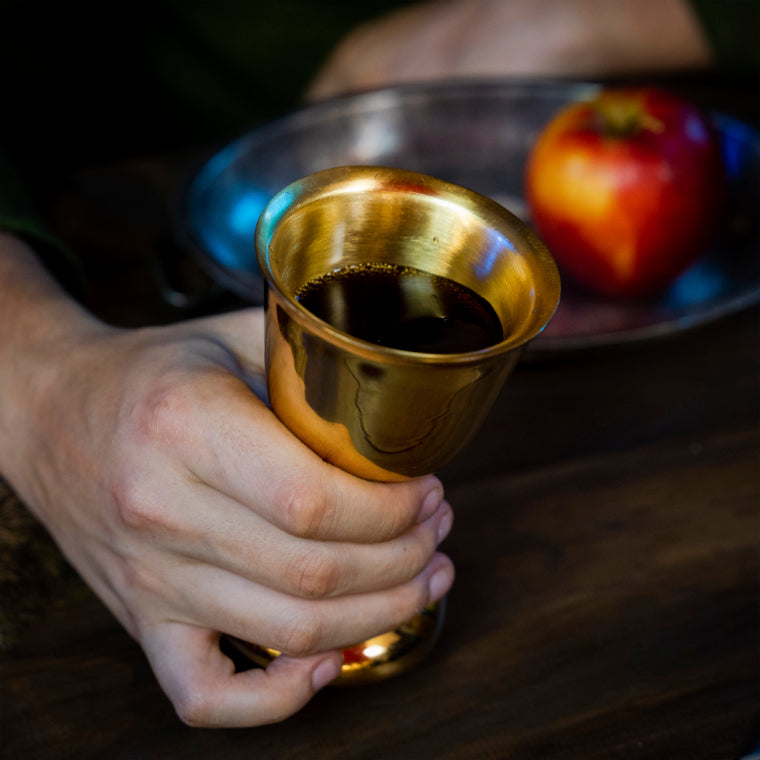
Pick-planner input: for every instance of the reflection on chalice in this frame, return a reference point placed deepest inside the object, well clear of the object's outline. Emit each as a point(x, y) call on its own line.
point(397, 304)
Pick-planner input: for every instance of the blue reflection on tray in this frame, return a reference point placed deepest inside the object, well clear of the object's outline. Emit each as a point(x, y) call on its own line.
point(476, 135)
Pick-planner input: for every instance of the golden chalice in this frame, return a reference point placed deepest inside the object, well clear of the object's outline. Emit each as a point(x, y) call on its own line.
point(427, 256)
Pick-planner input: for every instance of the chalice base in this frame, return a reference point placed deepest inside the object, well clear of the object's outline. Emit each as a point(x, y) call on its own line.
point(378, 658)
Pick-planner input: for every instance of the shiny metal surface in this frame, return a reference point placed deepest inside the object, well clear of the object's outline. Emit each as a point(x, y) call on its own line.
point(477, 135)
point(378, 658)
point(379, 412)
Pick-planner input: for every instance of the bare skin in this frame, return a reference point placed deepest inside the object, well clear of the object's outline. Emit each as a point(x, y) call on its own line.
point(171, 487)
point(189, 508)
point(446, 39)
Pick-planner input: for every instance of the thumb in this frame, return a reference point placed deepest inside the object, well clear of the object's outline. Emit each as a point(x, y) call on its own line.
point(242, 331)
point(242, 335)
point(205, 690)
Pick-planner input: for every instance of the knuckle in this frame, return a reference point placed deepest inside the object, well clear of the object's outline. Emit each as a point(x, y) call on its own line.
point(300, 639)
point(163, 410)
point(136, 508)
point(194, 707)
point(313, 575)
point(306, 510)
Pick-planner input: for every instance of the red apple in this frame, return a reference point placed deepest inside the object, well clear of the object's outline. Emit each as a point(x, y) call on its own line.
point(626, 189)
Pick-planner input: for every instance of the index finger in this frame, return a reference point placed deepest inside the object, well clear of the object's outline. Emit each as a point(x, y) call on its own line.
point(206, 692)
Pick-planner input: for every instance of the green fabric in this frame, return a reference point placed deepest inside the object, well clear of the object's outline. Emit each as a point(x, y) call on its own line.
point(733, 30)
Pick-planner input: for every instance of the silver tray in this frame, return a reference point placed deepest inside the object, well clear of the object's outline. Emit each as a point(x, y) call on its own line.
point(477, 135)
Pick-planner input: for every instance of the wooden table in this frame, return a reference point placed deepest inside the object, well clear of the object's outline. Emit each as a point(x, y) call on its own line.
point(607, 545)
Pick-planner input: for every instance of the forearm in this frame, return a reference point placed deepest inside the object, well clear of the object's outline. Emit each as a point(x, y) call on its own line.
point(38, 321)
point(555, 38)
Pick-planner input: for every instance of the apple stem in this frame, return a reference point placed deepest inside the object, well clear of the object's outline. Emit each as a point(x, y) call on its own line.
point(621, 120)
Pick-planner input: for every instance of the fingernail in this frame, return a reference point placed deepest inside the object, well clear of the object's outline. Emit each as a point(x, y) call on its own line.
point(440, 583)
point(326, 671)
point(444, 526)
point(432, 502)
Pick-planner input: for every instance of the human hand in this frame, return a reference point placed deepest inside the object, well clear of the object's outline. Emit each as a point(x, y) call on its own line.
point(191, 511)
point(446, 39)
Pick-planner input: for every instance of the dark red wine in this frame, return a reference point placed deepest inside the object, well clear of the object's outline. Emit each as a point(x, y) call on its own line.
point(402, 307)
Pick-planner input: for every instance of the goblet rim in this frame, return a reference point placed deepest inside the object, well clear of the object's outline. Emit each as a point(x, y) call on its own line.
point(288, 199)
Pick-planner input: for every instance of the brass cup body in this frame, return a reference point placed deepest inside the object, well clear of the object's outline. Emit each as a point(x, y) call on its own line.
point(378, 412)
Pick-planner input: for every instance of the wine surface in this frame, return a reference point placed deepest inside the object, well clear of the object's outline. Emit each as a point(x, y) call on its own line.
point(403, 307)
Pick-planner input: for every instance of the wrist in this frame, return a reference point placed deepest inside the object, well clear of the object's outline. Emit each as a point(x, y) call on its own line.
point(41, 325)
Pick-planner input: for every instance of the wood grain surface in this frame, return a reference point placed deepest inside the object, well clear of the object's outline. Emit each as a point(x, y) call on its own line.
point(607, 545)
